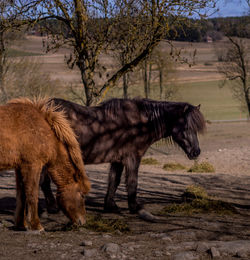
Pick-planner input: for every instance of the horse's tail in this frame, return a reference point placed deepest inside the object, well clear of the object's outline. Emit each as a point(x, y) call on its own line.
point(61, 126)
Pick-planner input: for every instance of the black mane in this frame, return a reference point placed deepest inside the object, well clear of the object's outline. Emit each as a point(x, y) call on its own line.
point(156, 112)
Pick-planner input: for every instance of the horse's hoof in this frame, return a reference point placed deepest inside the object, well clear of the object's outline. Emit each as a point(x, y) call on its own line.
point(20, 228)
point(147, 216)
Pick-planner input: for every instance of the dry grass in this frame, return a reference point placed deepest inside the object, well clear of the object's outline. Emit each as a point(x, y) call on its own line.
point(194, 192)
point(173, 166)
point(202, 167)
point(99, 224)
point(197, 201)
point(149, 161)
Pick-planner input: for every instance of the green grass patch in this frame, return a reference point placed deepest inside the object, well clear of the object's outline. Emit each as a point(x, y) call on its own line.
point(173, 166)
point(216, 103)
point(196, 201)
point(149, 161)
point(20, 53)
point(99, 224)
point(202, 167)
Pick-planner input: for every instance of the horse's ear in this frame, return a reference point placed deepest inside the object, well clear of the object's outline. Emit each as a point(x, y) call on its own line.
point(198, 107)
point(185, 108)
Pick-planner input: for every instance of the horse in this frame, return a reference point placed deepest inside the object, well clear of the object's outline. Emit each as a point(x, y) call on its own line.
point(33, 135)
point(119, 132)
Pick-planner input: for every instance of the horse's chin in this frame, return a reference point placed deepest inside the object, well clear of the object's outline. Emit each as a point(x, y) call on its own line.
point(190, 157)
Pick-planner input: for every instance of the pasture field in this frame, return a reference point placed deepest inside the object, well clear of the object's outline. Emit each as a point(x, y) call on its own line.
point(198, 84)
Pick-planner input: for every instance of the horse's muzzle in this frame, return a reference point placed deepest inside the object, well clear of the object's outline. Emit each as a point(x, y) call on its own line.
point(194, 154)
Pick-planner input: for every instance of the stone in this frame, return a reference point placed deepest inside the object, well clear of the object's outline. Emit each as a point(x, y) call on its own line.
point(147, 216)
point(214, 252)
point(90, 252)
point(111, 248)
point(202, 247)
point(187, 255)
point(167, 238)
point(87, 243)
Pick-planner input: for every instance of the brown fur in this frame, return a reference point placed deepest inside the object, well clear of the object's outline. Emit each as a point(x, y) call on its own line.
point(33, 135)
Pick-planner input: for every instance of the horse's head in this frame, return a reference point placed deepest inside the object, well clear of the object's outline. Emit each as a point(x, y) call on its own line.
point(72, 202)
point(186, 128)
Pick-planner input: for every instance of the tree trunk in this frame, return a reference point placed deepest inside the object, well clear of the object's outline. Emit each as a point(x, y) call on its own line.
point(2, 62)
point(87, 80)
point(149, 78)
point(161, 82)
point(145, 78)
point(125, 85)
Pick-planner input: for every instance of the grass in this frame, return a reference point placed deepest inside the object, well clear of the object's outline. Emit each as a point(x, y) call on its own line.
point(149, 161)
point(196, 201)
point(173, 166)
point(216, 103)
point(20, 53)
point(202, 167)
point(194, 192)
point(200, 206)
point(99, 224)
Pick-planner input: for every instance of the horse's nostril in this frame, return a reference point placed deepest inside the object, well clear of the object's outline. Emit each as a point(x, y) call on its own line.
point(196, 153)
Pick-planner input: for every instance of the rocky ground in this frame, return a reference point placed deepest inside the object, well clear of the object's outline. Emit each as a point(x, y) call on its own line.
point(173, 236)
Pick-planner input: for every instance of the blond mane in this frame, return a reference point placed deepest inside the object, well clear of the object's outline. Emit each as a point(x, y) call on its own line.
point(61, 126)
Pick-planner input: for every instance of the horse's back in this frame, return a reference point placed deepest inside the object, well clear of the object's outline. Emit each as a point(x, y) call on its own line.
point(107, 132)
point(24, 134)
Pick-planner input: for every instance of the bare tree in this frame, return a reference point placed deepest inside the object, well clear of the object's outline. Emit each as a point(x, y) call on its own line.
point(93, 27)
point(25, 79)
point(166, 71)
point(13, 16)
point(235, 67)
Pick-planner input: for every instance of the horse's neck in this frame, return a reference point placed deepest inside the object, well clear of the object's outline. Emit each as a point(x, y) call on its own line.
point(62, 170)
point(159, 118)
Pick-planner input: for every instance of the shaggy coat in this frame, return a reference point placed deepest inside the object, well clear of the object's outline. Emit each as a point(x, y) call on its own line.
point(34, 135)
point(119, 131)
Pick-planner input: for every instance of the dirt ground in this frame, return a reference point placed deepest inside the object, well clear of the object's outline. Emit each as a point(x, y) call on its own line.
point(175, 236)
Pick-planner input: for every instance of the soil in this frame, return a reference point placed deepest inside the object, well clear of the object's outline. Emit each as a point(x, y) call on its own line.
point(174, 236)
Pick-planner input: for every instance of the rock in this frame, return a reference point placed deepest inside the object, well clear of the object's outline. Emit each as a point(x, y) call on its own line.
point(145, 215)
point(202, 247)
point(112, 249)
point(6, 224)
point(158, 253)
point(90, 252)
point(107, 236)
point(214, 252)
point(187, 255)
point(87, 243)
point(167, 238)
point(233, 247)
point(241, 254)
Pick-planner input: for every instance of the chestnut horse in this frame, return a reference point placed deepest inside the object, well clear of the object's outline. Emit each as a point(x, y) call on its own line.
point(119, 131)
point(33, 135)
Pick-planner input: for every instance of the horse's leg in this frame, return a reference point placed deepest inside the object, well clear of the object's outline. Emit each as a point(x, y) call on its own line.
point(31, 176)
point(48, 194)
point(131, 170)
point(20, 222)
point(114, 181)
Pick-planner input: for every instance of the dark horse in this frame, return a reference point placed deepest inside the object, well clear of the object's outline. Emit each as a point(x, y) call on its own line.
point(119, 131)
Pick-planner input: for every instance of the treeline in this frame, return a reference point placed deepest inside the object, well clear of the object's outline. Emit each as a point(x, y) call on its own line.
point(199, 30)
point(187, 30)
